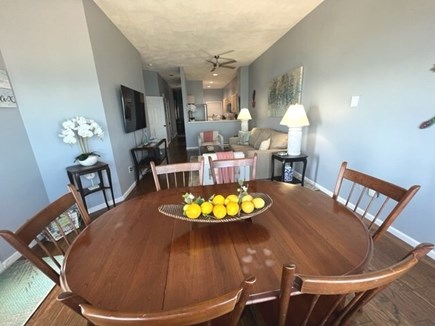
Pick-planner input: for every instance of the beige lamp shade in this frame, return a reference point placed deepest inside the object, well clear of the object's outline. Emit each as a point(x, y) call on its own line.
point(191, 99)
point(295, 116)
point(244, 115)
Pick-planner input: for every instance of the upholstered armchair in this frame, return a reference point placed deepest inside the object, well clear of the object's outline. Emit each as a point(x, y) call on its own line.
point(207, 138)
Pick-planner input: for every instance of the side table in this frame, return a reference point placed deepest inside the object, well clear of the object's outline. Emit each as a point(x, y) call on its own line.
point(284, 158)
point(76, 171)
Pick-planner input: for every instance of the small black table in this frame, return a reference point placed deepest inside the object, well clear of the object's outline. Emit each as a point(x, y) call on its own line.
point(284, 158)
point(156, 151)
point(76, 171)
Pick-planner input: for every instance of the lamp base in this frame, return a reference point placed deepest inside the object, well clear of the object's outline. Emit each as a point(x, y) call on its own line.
point(244, 125)
point(294, 141)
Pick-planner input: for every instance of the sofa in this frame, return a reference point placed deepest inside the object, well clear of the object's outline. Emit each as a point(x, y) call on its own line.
point(264, 142)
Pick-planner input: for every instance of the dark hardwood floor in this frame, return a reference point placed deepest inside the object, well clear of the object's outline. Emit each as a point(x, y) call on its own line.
point(409, 301)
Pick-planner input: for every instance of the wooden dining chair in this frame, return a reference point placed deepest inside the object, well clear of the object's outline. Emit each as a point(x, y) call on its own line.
point(344, 295)
point(228, 306)
point(178, 173)
point(226, 171)
point(367, 195)
point(39, 228)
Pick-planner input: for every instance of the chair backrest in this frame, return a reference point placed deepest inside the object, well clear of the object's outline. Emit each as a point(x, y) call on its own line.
point(225, 171)
point(211, 135)
point(338, 310)
point(230, 304)
point(51, 240)
point(360, 200)
point(179, 173)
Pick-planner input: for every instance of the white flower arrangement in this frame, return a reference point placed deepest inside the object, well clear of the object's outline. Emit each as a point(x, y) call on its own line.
point(79, 129)
point(191, 107)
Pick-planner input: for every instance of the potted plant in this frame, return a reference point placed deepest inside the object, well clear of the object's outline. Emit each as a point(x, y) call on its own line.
point(78, 130)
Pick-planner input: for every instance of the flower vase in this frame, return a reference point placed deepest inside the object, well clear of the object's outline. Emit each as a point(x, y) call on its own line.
point(90, 160)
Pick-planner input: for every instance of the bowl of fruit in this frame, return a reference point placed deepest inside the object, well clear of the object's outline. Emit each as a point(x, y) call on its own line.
point(219, 208)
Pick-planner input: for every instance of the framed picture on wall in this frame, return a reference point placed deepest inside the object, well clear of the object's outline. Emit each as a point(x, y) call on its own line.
point(283, 91)
point(7, 98)
point(235, 103)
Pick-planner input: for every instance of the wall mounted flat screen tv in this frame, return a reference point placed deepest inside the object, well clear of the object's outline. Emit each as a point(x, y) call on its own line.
point(133, 109)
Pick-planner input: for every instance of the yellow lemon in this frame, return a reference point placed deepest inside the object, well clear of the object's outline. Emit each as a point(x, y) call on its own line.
point(232, 208)
point(247, 198)
point(258, 202)
point(185, 207)
point(193, 211)
point(218, 199)
point(231, 198)
point(206, 208)
point(247, 207)
point(219, 211)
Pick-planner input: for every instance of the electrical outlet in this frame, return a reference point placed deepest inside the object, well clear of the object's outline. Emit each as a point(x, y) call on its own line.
point(130, 169)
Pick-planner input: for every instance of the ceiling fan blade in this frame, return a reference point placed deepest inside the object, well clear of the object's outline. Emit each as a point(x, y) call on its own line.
point(228, 61)
point(212, 62)
point(229, 51)
point(213, 69)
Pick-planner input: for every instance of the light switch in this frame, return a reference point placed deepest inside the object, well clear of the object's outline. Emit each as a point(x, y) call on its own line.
point(354, 101)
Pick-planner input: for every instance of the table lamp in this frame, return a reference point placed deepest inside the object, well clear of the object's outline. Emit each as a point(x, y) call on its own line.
point(295, 118)
point(244, 116)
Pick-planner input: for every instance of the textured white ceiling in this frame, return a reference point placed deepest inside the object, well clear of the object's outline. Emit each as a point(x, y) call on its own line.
point(170, 33)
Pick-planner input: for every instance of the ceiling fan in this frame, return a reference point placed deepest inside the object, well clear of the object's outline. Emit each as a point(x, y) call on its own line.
point(221, 62)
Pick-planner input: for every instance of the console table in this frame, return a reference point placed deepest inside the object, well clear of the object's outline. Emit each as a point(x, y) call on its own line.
point(76, 171)
point(284, 158)
point(143, 155)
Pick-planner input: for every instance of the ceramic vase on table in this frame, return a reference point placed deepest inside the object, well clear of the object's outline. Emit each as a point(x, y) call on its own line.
point(90, 160)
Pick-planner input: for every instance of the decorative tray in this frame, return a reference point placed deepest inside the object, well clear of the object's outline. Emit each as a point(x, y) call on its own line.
point(176, 211)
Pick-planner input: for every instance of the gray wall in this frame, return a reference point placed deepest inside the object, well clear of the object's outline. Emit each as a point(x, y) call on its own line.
point(245, 99)
point(213, 95)
point(60, 69)
point(117, 62)
point(49, 57)
point(232, 87)
point(151, 83)
point(194, 88)
point(381, 51)
point(22, 192)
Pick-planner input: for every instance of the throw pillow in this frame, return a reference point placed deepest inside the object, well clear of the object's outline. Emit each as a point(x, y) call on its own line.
point(265, 144)
point(244, 137)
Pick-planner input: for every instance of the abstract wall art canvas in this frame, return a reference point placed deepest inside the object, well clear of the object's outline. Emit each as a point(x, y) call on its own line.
point(283, 91)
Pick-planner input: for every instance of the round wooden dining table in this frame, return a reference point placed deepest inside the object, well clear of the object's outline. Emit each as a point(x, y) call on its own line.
point(134, 258)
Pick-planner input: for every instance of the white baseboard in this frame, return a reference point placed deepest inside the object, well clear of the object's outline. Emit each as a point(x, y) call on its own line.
point(397, 233)
point(94, 209)
point(9, 261)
